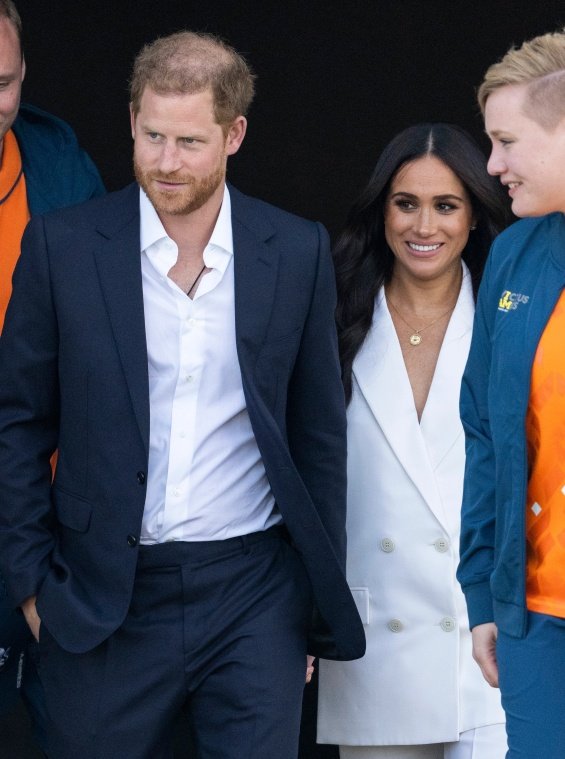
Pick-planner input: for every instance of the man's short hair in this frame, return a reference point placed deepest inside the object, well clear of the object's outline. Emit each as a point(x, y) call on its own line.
point(540, 64)
point(8, 10)
point(187, 63)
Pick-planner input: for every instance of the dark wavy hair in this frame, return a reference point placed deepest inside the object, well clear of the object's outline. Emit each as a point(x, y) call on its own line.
point(362, 258)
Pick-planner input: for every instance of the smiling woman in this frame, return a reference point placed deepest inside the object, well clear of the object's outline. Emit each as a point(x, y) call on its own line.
point(408, 265)
point(428, 216)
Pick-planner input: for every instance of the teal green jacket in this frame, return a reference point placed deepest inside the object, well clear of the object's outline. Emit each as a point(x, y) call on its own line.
point(57, 171)
point(523, 280)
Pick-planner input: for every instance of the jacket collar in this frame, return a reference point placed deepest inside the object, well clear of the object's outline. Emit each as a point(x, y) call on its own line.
point(381, 376)
point(119, 270)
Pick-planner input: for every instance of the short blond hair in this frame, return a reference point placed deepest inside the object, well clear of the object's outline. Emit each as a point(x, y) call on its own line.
point(540, 64)
point(187, 63)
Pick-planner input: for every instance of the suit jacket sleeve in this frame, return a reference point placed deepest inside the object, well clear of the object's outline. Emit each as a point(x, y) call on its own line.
point(28, 420)
point(316, 423)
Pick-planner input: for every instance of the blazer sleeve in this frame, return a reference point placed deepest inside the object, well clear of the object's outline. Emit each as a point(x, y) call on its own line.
point(316, 423)
point(28, 420)
point(479, 502)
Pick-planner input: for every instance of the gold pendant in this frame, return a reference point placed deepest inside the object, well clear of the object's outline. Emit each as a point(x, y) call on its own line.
point(415, 339)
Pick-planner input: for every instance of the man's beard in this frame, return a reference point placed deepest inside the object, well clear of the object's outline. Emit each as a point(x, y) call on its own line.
point(193, 195)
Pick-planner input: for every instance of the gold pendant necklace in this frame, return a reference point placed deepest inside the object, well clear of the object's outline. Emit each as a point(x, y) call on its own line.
point(416, 337)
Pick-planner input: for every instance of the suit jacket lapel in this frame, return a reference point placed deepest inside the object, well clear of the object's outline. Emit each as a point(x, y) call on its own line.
point(119, 270)
point(255, 276)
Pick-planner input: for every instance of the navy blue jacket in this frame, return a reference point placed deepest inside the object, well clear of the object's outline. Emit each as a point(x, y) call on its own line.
point(58, 173)
point(523, 280)
point(73, 376)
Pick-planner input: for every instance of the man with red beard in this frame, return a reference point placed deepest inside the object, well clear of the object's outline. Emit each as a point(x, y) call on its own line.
point(175, 342)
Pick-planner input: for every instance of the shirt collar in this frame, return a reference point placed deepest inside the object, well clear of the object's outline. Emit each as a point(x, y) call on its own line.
point(219, 250)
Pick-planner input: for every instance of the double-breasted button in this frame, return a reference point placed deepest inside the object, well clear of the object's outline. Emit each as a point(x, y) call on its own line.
point(447, 624)
point(141, 478)
point(441, 545)
point(132, 541)
point(395, 626)
point(387, 545)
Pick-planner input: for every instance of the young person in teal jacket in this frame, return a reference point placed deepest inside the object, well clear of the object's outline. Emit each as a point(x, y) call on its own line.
point(512, 566)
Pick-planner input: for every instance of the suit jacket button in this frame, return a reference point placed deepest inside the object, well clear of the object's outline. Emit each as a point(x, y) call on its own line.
point(141, 478)
point(132, 541)
point(395, 626)
point(387, 545)
point(441, 545)
point(448, 624)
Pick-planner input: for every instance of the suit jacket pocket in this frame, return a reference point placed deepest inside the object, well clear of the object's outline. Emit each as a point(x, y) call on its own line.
point(361, 598)
point(276, 341)
point(72, 510)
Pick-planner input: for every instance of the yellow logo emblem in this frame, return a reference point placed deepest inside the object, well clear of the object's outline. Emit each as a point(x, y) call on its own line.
point(510, 301)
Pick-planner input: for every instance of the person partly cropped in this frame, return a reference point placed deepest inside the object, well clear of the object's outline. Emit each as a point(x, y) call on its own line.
point(408, 267)
point(513, 408)
point(42, 168)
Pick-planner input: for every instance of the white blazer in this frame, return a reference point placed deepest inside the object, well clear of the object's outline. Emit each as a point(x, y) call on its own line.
point(417, 682)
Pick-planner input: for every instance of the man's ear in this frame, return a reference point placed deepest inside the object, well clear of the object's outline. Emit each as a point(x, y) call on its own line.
point(235, 134)
point(132, 120)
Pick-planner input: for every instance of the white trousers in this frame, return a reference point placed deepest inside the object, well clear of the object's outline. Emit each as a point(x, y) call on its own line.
point(487, 742)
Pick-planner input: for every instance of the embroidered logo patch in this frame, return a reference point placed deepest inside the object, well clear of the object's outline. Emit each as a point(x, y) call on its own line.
point(510, 301)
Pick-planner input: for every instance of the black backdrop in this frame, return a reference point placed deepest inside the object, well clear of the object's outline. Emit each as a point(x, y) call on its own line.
point(335, 83)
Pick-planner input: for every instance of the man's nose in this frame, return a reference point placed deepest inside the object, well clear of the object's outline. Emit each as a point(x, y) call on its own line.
point(169, 159)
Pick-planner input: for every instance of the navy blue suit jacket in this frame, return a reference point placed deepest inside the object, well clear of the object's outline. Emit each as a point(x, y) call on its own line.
point(73, 377)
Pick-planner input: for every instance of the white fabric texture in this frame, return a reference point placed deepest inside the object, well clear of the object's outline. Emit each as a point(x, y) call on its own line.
point(487, 742)
point(417, 683)
point(206, 479)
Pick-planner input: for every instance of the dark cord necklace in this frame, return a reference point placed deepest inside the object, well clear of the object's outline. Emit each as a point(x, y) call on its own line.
point(13, 187)
point(193, 285)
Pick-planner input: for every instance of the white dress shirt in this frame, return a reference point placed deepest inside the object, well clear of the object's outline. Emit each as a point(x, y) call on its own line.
point(206, 479)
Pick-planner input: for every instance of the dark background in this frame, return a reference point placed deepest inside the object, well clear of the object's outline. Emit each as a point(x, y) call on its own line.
point(335, 80)
point(335, 83)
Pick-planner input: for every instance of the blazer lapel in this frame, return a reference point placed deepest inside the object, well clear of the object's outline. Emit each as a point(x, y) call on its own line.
point(255, 275)
point(380, 372)
point(119, 269)
point(440, 423)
